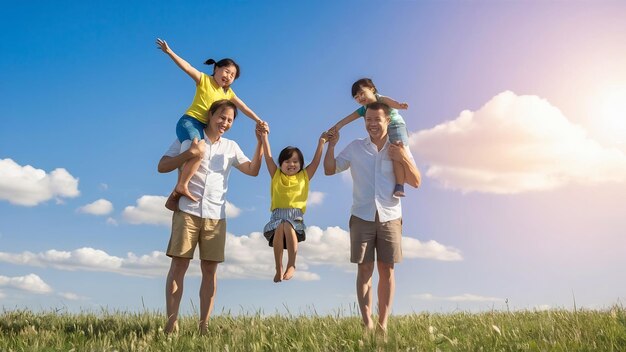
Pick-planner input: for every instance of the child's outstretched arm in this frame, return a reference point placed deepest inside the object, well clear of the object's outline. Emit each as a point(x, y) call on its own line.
point(184, 65)
point(312, 167)
point(393, 104)
point(346, 120)
point(245, 109)
point(269, 161)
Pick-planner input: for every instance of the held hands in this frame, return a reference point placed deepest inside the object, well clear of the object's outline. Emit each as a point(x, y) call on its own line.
point(332, 136)
point(324, 137)
point(162, 44)
point(404, 106)
point(262, 130)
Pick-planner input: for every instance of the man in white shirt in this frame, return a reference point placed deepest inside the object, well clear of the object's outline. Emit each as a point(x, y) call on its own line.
point(376, 221)
point(203, 222)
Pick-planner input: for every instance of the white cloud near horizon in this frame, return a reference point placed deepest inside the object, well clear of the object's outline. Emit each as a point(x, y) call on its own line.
point(28, 186)
point(514, 144)
point(99, 207)
point(71, 296)
point(29, 283)
point(151, 210)
point(247, 257)
point(466, 297)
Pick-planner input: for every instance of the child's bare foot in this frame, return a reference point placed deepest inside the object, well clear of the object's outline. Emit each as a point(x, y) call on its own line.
point(289, 272)
point(172, 201)
point(184, 191)
point(278, 276)
point(398, 191)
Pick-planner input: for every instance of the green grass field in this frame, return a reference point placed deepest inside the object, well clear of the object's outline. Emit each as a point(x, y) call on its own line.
point(554, 330)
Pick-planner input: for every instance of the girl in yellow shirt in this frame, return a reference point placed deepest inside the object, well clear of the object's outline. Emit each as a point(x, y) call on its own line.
point(289, 192)
point(190, 126)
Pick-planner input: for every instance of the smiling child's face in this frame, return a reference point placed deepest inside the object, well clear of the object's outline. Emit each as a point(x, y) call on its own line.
point(291, 166)
point(365, 96)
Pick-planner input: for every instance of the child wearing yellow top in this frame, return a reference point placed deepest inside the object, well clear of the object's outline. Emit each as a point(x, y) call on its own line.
point(190, 126)
point(289, 191)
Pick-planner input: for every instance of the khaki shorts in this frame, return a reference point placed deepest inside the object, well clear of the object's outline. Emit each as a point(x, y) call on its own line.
point(189, 230)
point(367, 237)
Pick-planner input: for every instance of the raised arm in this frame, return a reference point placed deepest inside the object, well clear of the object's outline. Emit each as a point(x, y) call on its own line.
point(312, 167)
point(267, 151)
point(251, 168)
point(393, 104)
point(245, 109)
point(411, 173)
point(346, 120)
point(330, 164)
point(180, 62)
point(171, 163)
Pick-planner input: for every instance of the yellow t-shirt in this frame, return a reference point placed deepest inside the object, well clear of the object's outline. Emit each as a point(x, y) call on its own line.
point(207, 92)
point(290, 191)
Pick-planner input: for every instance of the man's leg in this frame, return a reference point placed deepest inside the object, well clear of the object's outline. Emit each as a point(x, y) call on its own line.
point(207, 292)
point(174, 291)
point(364, 292)
point(386, 289)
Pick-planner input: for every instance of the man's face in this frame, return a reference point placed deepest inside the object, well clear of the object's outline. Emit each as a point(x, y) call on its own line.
point(376, 123)
point(222, 120)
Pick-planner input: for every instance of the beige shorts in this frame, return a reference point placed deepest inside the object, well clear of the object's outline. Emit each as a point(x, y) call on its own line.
point(367, 237)
point(189, 230)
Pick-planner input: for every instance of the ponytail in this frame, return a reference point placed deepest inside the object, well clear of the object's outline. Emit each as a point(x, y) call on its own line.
point(222, 63)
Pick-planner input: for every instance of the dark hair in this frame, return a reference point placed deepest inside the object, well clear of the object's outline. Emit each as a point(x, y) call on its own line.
point(379, 106)
point(223, 63)
point(362, 83)
point(288, 153)
point(219, 104)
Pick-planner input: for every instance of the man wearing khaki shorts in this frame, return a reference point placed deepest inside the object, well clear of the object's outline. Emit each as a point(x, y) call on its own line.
point(376, 221)
point(202, 223)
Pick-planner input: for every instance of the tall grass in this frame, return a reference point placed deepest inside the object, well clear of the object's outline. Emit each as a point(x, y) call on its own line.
point(554, 330)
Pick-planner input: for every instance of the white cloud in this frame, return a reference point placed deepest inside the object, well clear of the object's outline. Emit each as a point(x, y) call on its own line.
point(413, 248)
point(316, 198)
point(103, 186)
point(466, 297)
point(25, 185)
point(231, 210)
point(111, 221)
point(99, 207)
point(71, 296)
point(149, 210)
point(515, 144)
point(29, 283)
point(247, 257)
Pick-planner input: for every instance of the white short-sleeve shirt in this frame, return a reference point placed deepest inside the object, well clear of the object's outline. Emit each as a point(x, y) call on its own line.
point(373, 180)
point(210, 183)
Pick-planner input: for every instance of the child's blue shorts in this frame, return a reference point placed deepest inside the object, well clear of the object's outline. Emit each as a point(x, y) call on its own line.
point(189, 128)
point(397, 132)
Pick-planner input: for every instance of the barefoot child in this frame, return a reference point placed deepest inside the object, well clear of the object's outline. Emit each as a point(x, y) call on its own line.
point(191, 125)
point(364, 92)
point(289, 191)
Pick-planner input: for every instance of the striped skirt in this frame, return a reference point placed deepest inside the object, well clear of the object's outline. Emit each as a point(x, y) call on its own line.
point(291, 215)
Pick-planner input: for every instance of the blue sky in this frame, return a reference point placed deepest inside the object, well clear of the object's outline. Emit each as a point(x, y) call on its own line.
point(516, 113)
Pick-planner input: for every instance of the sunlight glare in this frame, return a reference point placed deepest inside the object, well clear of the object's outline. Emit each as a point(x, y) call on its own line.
point(612, 114)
